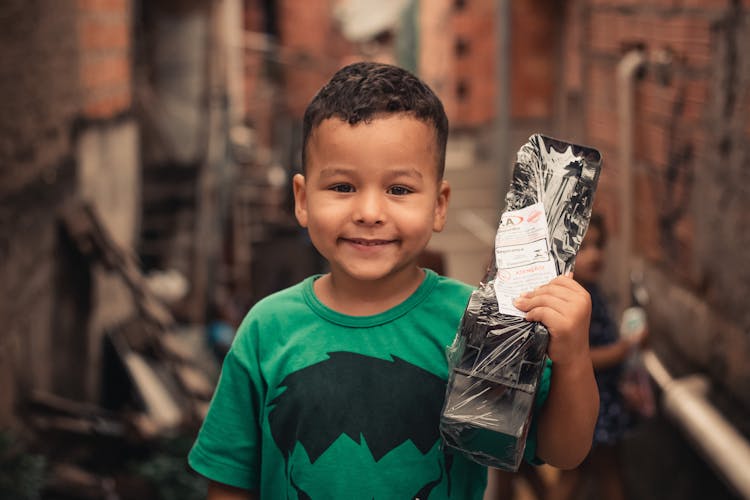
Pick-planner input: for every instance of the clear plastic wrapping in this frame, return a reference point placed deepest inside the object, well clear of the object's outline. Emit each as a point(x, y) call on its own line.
point(497, 357)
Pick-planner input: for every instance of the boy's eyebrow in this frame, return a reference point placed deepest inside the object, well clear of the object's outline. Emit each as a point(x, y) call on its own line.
point(406, 172)
point(399, 172)
point(333, 171)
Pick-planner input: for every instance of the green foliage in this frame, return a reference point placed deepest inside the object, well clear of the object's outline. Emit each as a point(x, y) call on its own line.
point(21, 474)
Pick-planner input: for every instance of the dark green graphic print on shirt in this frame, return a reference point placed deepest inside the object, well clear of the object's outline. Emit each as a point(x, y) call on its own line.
point(364, 411)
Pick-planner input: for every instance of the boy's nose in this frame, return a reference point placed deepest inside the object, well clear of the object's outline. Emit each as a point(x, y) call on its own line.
point(369, 209)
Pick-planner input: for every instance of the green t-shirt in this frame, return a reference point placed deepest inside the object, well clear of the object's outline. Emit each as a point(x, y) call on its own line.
point(316, 404)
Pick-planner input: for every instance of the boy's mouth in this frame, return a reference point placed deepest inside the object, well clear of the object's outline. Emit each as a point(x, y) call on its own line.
point(367, 243)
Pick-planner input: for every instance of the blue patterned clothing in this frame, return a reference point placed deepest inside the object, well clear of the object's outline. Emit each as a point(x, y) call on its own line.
point(614, 418)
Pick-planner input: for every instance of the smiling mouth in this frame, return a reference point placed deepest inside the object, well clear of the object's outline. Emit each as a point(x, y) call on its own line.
point(368, 243)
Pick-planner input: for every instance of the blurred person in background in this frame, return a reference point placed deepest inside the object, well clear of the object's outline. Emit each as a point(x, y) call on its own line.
point(609, 354)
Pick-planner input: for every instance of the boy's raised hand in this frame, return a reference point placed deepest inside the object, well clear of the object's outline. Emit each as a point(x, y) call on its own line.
point(566, 423)
point(564, 307)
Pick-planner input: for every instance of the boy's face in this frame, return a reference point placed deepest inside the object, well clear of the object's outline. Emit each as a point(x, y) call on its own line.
point(590, 257)
point(371, 196)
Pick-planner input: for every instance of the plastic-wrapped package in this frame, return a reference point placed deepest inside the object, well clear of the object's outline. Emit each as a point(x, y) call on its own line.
point(497, 357)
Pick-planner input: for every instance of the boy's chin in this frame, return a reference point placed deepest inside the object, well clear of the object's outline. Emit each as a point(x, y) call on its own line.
point(376, 275)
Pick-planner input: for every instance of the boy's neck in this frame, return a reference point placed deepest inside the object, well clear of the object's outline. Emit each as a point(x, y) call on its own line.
point(365, 298)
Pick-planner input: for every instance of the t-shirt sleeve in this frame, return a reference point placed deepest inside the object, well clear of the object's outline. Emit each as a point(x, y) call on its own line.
point(227, 448)
point(529, 453)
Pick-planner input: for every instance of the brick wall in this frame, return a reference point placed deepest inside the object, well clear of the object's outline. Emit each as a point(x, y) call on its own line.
point(435, 58)
point(312, 49)
point(64, 72)
point(535, 31)
point(692, 157)
point(457, 58)
point(104, 37)
point(473, 52)
point(39, 89)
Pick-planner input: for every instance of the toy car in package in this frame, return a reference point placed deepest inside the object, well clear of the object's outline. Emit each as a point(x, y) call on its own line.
point(497, 357)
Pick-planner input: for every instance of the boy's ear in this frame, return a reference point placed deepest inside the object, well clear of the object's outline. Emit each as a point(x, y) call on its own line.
point(441, 206)
point(300, 199)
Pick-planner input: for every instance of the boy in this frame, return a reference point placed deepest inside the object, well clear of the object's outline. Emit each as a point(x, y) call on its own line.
point(333, 388)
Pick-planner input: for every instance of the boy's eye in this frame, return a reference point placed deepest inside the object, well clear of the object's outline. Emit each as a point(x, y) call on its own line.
point(342, 188)
point(399, 190)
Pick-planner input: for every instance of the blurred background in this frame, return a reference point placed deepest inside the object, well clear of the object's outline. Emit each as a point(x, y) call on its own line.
point(146, 152)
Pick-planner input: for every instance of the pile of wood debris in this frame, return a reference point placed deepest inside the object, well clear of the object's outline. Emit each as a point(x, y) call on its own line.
point(153, 384)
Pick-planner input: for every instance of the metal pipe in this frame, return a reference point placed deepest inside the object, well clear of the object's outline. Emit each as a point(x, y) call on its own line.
point(627, 71)
point(684, 401)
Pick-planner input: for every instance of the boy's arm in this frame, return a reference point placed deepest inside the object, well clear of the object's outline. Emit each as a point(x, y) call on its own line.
point(566, 422)
point(219, 491)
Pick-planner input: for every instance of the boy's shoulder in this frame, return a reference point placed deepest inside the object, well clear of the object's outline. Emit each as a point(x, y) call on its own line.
point(284, 298)
point(276, 311)
point(447, 297)
point(453, 282)
point(452, 286)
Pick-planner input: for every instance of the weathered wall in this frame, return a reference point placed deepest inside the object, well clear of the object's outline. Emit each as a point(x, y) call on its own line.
point(458, 58)
point(64, 77)
point(174, 84)
point(108, 177)
point(313, 48)
point(39, 85)
point(691, 167)
point(108, 166)
point(261, 70)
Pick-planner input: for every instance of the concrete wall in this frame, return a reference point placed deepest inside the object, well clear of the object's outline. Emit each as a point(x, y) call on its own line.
point(109, 178)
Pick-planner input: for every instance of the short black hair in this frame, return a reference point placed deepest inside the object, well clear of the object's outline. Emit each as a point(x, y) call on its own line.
point(362, 91)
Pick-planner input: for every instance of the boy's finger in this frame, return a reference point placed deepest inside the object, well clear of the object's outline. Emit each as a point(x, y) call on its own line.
point(548, 300)
point(545, 315)
point(567, 281)
point(554, 288)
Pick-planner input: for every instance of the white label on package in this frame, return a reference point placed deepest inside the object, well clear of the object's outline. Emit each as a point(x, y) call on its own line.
point(522, 255)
